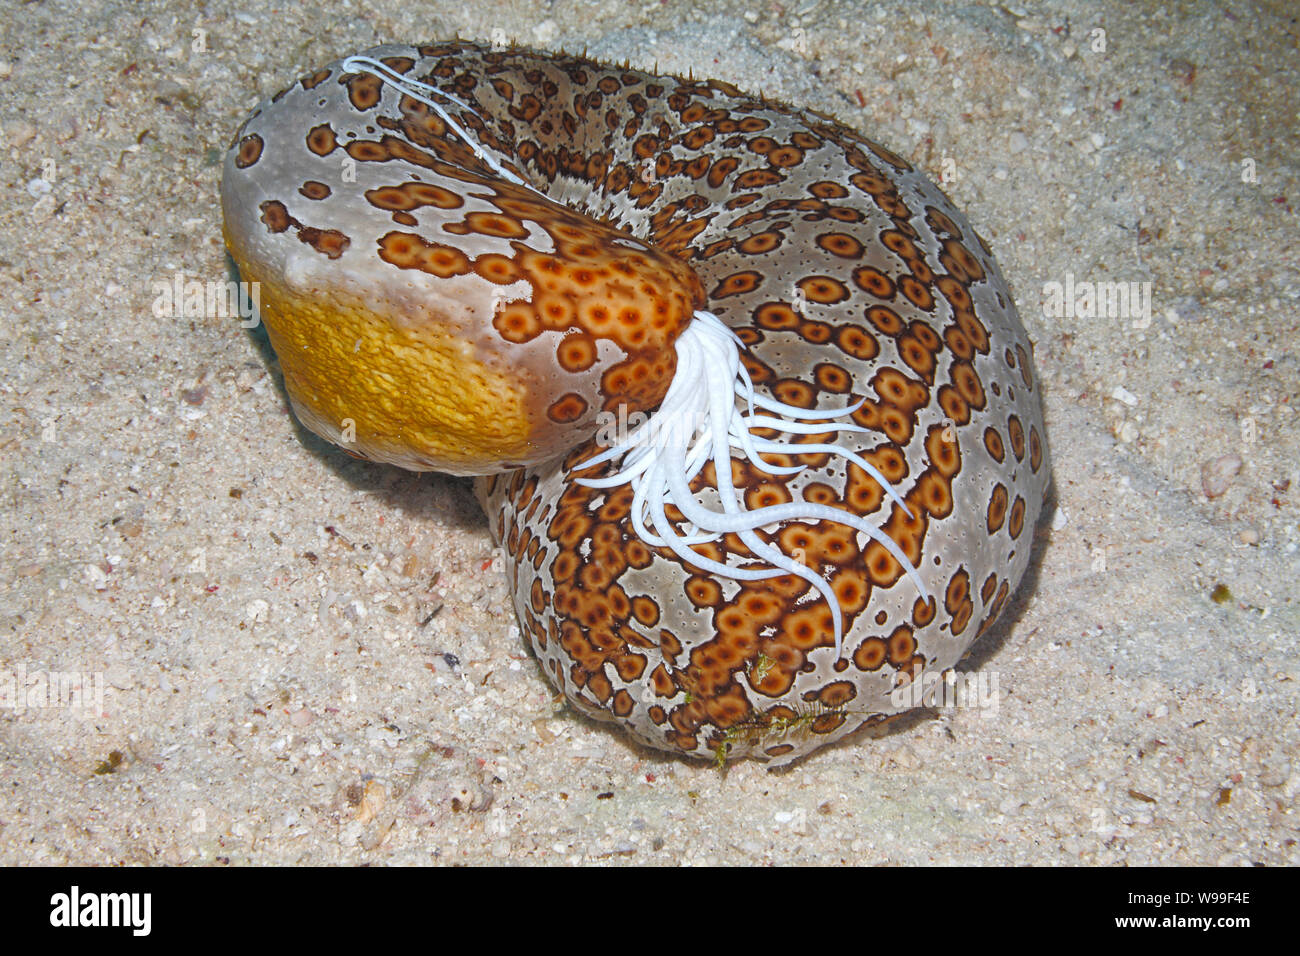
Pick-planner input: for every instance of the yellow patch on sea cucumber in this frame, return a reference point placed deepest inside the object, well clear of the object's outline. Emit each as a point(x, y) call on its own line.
point(416, 396)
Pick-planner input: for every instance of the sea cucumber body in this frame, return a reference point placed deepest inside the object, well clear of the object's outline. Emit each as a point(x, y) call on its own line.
point(848, 275)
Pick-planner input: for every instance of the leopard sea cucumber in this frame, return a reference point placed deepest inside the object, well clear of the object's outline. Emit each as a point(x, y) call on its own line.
point(473, 260)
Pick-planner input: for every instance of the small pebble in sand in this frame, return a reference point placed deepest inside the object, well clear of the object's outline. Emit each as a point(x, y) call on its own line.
point(1217, 475)
point(373, 797)
point(466, 794)
point(1122, 394)
point(1183, 71)
point(18, 133)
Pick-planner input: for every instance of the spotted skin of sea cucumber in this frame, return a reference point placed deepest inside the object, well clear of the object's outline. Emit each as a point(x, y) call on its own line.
point(351, 206)
point(848, 275)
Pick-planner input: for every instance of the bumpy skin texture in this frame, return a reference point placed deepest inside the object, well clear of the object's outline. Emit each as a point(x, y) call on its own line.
point(848, 275)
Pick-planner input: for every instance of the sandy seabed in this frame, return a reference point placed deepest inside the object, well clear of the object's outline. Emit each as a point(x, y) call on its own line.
point(248, 600)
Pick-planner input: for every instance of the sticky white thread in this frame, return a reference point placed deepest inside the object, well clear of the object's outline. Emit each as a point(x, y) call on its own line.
point(413, 88)
point(699, 421)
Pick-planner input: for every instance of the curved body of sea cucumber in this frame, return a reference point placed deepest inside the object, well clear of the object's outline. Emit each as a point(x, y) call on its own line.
point(847, 274)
